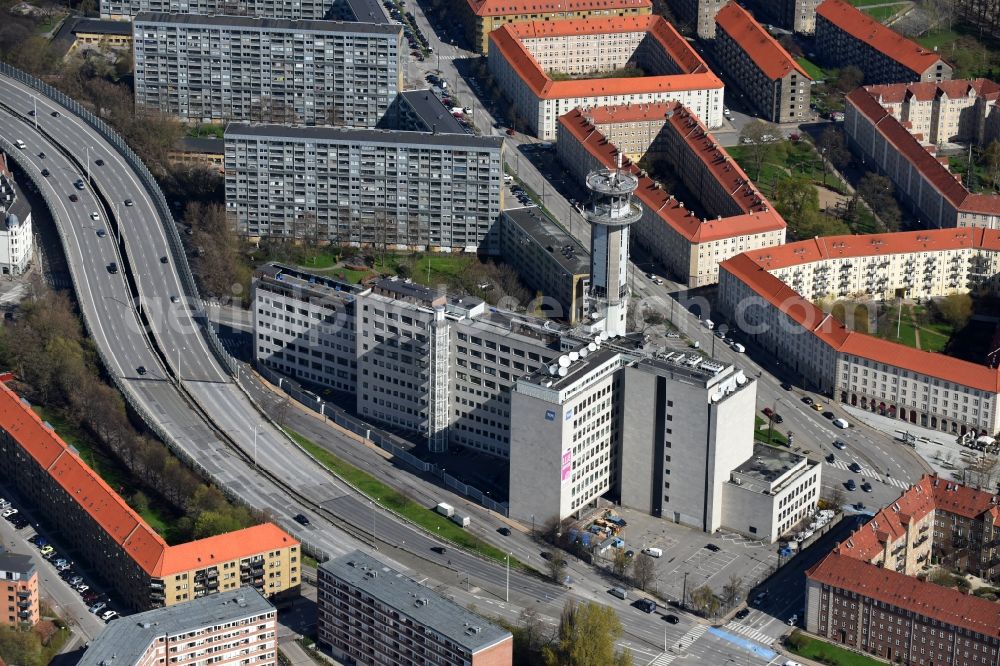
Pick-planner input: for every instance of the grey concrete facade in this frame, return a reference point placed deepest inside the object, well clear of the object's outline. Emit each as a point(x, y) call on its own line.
point(548, 259)
point(698, 427)
point(278, 9)
point(215, 69)
point(403, 190)
point(697, 15)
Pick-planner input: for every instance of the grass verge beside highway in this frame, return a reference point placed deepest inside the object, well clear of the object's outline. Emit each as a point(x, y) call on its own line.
point(392, 499)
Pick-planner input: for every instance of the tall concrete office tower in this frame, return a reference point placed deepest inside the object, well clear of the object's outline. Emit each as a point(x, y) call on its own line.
point(612, 211)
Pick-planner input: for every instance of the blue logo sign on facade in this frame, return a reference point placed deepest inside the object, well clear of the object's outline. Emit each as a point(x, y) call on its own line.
point(550, 415)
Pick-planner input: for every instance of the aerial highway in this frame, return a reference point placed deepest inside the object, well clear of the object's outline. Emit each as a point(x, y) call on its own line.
point(206, 414)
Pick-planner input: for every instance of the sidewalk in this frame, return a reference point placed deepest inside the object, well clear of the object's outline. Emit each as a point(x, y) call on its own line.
point(937, 448)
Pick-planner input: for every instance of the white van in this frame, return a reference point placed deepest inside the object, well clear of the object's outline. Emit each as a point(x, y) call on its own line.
point(20, 144)
point(619, 592)
point(841, 423)
point(708, 323)
point(738, 348)
point(653, 552)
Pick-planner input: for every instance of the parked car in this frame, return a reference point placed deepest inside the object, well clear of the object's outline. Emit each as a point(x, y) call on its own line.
point(712, 547)
point(742, 613)
point(98, 607)
point(504, 531)
point(47, 551)
point(109, 615)
point(7, 513)
point(806, 399)
point(867, 487)
point(851, 485)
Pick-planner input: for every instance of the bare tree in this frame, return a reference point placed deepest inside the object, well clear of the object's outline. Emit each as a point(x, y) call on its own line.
point(643, 571)
point(620, 563)
point(732, 591)
point(983, 473)
point(557, 566)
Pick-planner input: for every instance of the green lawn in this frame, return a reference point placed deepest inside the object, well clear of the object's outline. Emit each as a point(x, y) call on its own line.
point(444, 267)
point(938, 38)
point(827, 653)
point(206, 131)
point(423, 516)
point(320, 259)
point(159, 516)
point(816, 72)
point(865, 3)
point(883, 13)
point(778, 438)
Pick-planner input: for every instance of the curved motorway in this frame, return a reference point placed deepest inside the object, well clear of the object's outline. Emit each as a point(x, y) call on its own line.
point(250, 458)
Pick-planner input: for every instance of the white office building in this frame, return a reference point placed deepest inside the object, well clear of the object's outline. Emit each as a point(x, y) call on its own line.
point(16, 239)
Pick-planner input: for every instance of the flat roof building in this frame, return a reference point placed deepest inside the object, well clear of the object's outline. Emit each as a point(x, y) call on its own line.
point(276, 9)
point(732, 215)
point(19, 589)
point(125, 551)
point(210, 153)
point(923, 181)
point(772, 292)
point(764, 71)
point(847, 36)
point(548, 259)
point(584, 55)
point(370, 614)
point(365, 187)
point(484, 16)
point(234, 68)
point(237, 627)
point(422, 111)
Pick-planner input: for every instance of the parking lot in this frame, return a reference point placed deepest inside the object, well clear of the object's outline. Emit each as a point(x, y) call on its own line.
point(66, 587)
point(686, 555)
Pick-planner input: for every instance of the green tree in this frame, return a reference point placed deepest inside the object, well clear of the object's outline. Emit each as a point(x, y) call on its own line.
point(20, 647)
point(956, 309)
point(704, 601)
point(761, 139)
point(877, 191)
point(991, 159)
point(732, 591)
point(795, 196)
point(848, 78)
point(586, 637)
point(620, 563)
point(210, 523)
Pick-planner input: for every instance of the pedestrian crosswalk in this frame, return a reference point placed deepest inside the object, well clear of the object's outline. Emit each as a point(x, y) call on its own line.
point(749, 632)
point(682, 644)
point(870, 474)
point(693, 634)
point(663, 659)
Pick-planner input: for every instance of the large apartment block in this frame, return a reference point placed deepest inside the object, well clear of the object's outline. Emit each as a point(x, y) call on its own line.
point(923, 182)
point(794, 15)
point(18, 590)
point(689, 238)
point(865, 593)
point(372, 614)
point(965, 111)
point(398, 189)
point(766, 73)
point(773, 292)
point(485, 16)
point(697, 15)
point(584, 55)
point(548, 259)
point(435, 366)
point(126, 552)
point(215, 69)
point(235, 628)
point(277, 9)
point(847, 36)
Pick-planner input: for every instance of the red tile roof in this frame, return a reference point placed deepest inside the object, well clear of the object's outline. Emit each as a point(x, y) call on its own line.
point(507, 42)
point(866, 102)
point(889, 524)
point(113, 514)
point(773, 60)
point(932, 601)
point(896, 93)
point(752, 269)
point(887, 41)
point(510, 7)
point(759, 216)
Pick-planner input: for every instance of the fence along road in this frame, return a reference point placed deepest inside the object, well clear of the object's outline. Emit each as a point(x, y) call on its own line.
point(208, 419)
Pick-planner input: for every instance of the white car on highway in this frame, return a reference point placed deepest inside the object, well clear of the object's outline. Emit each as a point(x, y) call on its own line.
point(95, 216)
point(841, 423)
